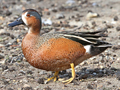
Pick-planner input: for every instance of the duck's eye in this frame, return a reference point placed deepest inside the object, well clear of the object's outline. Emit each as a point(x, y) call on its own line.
point(28, 15)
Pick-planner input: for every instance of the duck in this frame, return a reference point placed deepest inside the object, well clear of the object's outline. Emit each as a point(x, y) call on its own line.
point(57, 51)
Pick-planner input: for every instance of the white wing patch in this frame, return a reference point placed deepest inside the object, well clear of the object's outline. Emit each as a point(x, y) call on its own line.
point(87, 47)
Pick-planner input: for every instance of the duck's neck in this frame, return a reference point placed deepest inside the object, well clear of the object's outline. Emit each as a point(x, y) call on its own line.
point(34, 29)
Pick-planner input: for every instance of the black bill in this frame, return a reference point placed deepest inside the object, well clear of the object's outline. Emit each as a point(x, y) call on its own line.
point(17, 22)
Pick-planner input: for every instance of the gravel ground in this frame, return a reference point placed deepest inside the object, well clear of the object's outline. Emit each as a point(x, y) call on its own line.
point(101, 72)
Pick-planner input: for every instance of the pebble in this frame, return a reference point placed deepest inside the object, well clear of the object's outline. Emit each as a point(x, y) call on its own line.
point(118, 28)
point(42, 72)
point(10, 89)
point(116, 18)
point(54, 10)
point(1, 56)
point(109, 25)
point(4, 67)
point(89, 86)
point(23, 72)
point(29, 72)
point(8, 13)
point(70, 2)
point(91, 15)
point(60, 16)
point(62, 72)
point(40, 81)
point(6, 81)
point(47, 22)
point(12, 69)
point(47, 88)
point(27, 87)
point(117, 74)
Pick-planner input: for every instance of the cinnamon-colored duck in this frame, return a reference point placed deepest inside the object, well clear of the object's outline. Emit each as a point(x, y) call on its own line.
point(57, 51)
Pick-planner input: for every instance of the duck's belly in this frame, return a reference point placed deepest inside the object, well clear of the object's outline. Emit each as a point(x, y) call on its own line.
point(56, 54)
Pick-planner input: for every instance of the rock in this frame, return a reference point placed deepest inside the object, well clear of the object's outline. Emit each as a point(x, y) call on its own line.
point(109, 25)
point(48, 13)
point(117, 74)
point(42, 72)
point(118, 28)
point(8, 13)
point(47, 88)
point(54, 10)
point(12, 69)
point(62, 72)
point(89, 86)
point(60, 16)
point(115, 18)
point(22, 72)
point(4, 67)
point(70, 2)
point(29, 72)
point(1, 56)
point(40, 81)
point(77, 19)
point(6, 81)
point(27, 87)
point(91, 15)
point(10, 89)
point(47, 22)
point(100, 74)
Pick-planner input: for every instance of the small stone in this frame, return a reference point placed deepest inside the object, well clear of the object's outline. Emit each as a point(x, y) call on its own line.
point(62, 72)
point(84, 76)
point(10, 89)
point(109, 25)
point(23, 72)
point(40, 80)
point(89, 86)
point(27, 87)
point(91, 15)
point(77, 19)
point(47, 88)
point(29, 72)
point(117, 74)
point(100, 74)
point(12, 69)
point(54, 10)
point(118, 28)
point(93, 23)
point(4, 67)
point(60, 16)
point(48, 13)
point(8, 13)
point(6, 81)
point(1, 56)
point(108, 83)
point(116, 18)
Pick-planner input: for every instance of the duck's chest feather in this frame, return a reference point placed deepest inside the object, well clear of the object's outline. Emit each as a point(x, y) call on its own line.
point(51, 52)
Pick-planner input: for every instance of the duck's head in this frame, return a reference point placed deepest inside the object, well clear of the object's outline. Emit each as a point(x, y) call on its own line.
point(30, 18)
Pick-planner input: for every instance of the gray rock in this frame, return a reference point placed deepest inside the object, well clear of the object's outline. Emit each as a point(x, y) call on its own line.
point(1, 56)
point(40, 81)
point(60, 16)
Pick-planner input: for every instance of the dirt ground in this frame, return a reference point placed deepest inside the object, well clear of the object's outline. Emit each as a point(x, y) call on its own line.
point(101, 72)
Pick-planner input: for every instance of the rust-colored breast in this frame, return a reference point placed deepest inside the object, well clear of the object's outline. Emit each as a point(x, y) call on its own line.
point(55, 54)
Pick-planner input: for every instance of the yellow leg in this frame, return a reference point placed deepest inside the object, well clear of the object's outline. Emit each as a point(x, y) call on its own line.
point(54, 77)
point(73, 74)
